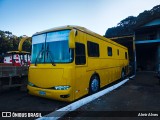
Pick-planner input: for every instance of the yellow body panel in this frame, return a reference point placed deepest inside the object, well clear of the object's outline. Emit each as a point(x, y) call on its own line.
point(108, 68)
point(45, 77)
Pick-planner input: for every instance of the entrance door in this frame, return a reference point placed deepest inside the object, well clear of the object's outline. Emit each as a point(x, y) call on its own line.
point(80, 62)
point(146, 56)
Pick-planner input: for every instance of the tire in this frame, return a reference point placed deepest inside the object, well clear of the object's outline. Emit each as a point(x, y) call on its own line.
point(122, 75)
point(24, 84)
point(94, 85)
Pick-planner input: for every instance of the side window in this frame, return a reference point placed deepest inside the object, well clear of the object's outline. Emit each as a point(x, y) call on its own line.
point(118, 52)
point(93, 49)
point(80, 54)
point(126, 55)
point(109, 51)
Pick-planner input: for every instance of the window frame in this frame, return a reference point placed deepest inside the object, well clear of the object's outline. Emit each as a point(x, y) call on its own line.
point(109, 50)
point(76, 56)
point(91, 49)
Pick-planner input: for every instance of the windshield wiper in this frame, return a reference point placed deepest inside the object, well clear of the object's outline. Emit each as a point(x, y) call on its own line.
point(41, 52)
point(48, 53)
point(50, 56)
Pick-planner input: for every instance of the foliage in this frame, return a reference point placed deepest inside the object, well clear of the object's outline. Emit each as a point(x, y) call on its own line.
point(9, 42)
point(129, 24)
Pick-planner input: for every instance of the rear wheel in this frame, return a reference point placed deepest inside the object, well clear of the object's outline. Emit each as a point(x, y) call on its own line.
point(94, 85)
point(122, 74)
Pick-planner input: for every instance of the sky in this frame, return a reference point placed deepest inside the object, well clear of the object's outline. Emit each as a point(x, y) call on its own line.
point(26, 17)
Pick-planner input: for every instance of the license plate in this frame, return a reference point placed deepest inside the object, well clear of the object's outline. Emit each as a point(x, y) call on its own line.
point(42, 93)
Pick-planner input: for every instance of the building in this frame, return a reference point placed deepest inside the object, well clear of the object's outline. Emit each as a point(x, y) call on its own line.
point(144, 46)
point(147, 40)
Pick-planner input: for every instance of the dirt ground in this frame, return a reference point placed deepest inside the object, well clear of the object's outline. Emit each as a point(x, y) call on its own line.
point(138, 95)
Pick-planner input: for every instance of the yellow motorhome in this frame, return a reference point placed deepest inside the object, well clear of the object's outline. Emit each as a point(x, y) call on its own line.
point(71, 61)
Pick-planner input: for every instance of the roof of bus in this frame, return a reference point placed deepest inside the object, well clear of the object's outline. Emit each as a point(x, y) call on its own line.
point(81, 29)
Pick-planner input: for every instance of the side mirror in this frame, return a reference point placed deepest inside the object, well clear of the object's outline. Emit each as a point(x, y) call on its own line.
point(71, 40)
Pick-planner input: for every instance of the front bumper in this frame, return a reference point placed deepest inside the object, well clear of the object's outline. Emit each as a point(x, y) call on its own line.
point(61, 95)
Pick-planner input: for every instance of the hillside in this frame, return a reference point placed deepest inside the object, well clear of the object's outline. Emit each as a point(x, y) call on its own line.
point(129, 24)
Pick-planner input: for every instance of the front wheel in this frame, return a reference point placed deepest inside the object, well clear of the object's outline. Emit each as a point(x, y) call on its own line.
point(94, 85)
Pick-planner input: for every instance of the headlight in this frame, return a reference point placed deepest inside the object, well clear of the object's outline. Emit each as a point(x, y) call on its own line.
point(61, 87)
point(31, 84)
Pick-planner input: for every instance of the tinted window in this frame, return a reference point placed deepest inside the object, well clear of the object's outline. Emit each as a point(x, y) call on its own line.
point(93, 49)
point(80, 54)
point(118, 52)
point(51, 47)
point(109, 51)
point(126, 56)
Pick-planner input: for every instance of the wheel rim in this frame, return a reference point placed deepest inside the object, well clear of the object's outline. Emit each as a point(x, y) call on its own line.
point(95, 85)
point(122, 74)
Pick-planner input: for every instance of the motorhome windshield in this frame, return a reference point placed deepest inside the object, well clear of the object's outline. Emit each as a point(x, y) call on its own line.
point(51, 47)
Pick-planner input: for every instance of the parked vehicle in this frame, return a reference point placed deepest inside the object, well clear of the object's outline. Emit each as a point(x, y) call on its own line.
point(71, 61)
point(14, 70)
point(18, 60)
